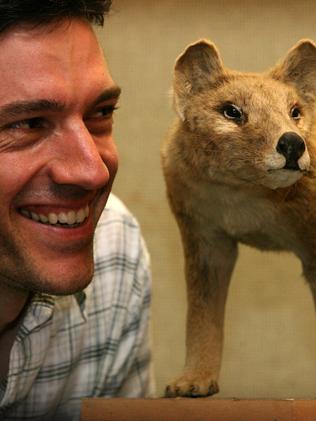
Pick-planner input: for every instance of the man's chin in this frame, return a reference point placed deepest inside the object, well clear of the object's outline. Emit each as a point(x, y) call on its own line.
point(64, 280)
point(63, 290)
point(64, 285)
point(49, 270)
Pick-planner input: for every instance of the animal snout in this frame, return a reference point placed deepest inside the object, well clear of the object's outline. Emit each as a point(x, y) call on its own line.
point(292, 147)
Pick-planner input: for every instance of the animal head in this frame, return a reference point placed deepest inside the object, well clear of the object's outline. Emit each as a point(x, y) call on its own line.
point(247, 127)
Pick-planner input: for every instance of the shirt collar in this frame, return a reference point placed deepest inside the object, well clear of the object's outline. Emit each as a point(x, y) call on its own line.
point(41, 309)
point(81, 297)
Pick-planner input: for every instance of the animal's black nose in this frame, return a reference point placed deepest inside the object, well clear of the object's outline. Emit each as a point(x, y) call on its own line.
point(292, 147)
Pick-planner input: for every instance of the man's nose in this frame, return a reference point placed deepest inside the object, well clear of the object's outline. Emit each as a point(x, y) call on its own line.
point(78, 159)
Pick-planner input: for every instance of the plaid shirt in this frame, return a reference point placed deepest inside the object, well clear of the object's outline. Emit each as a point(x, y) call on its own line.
point(94, 343)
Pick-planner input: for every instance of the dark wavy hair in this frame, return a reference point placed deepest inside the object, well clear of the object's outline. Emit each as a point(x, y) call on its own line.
point(41, 12)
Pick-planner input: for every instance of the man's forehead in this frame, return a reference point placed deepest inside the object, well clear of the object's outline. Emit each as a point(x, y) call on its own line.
point(67, 61)
point(70, 36)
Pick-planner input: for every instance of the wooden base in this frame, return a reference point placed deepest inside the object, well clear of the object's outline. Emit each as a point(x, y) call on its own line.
point(201, 409)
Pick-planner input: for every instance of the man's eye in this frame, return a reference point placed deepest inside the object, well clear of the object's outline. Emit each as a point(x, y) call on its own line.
point(100, 121)
point(28, 124)
point(104, 112)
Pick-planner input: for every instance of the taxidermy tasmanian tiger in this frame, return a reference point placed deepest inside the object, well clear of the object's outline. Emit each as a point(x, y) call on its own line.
point(239, 166)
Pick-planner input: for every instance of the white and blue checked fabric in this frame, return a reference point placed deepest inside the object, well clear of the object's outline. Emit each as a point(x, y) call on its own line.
point(95, 343)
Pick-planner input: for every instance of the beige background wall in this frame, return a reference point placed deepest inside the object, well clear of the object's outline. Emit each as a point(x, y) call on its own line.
point(270, 341)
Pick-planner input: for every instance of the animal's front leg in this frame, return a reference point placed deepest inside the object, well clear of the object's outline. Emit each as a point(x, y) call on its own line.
point(209, 265)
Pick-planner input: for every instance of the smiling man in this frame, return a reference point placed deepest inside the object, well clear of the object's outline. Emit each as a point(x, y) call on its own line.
point(63, 338)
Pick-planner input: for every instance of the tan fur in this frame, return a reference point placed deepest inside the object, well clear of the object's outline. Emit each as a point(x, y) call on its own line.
point(227, 184)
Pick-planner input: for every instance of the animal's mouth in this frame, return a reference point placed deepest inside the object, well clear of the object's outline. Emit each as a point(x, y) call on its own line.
point(282, 177)
point(66, 219)
point(289, 170)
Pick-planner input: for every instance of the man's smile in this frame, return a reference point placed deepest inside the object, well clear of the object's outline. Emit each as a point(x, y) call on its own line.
point(56, 230)
point(71, 218)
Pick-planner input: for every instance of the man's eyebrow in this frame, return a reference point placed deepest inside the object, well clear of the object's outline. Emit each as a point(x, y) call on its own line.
point(108, 93)
point(18, 108)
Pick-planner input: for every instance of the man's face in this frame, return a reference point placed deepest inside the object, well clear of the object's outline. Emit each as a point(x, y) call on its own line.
point(57, 155)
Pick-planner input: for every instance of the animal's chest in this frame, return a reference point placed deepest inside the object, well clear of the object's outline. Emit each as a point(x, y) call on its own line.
point(249, 219)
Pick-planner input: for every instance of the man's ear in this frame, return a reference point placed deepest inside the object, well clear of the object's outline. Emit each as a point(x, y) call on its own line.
point(299, 68)
point(196, 69)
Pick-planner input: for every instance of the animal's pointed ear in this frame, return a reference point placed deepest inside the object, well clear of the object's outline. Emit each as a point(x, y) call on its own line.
point(299, 68)
point(197, 68)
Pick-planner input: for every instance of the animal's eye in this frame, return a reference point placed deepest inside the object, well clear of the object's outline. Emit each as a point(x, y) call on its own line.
point(296, 113)
point(232, 112)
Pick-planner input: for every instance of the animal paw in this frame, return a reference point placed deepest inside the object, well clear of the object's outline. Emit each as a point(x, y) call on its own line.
point(192, 384)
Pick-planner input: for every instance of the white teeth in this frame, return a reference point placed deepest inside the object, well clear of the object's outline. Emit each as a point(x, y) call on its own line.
point(81, 216)
point(43, 218)
point(52, 218)
point(62, 218)
point(70, 218)
point(35, 216)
